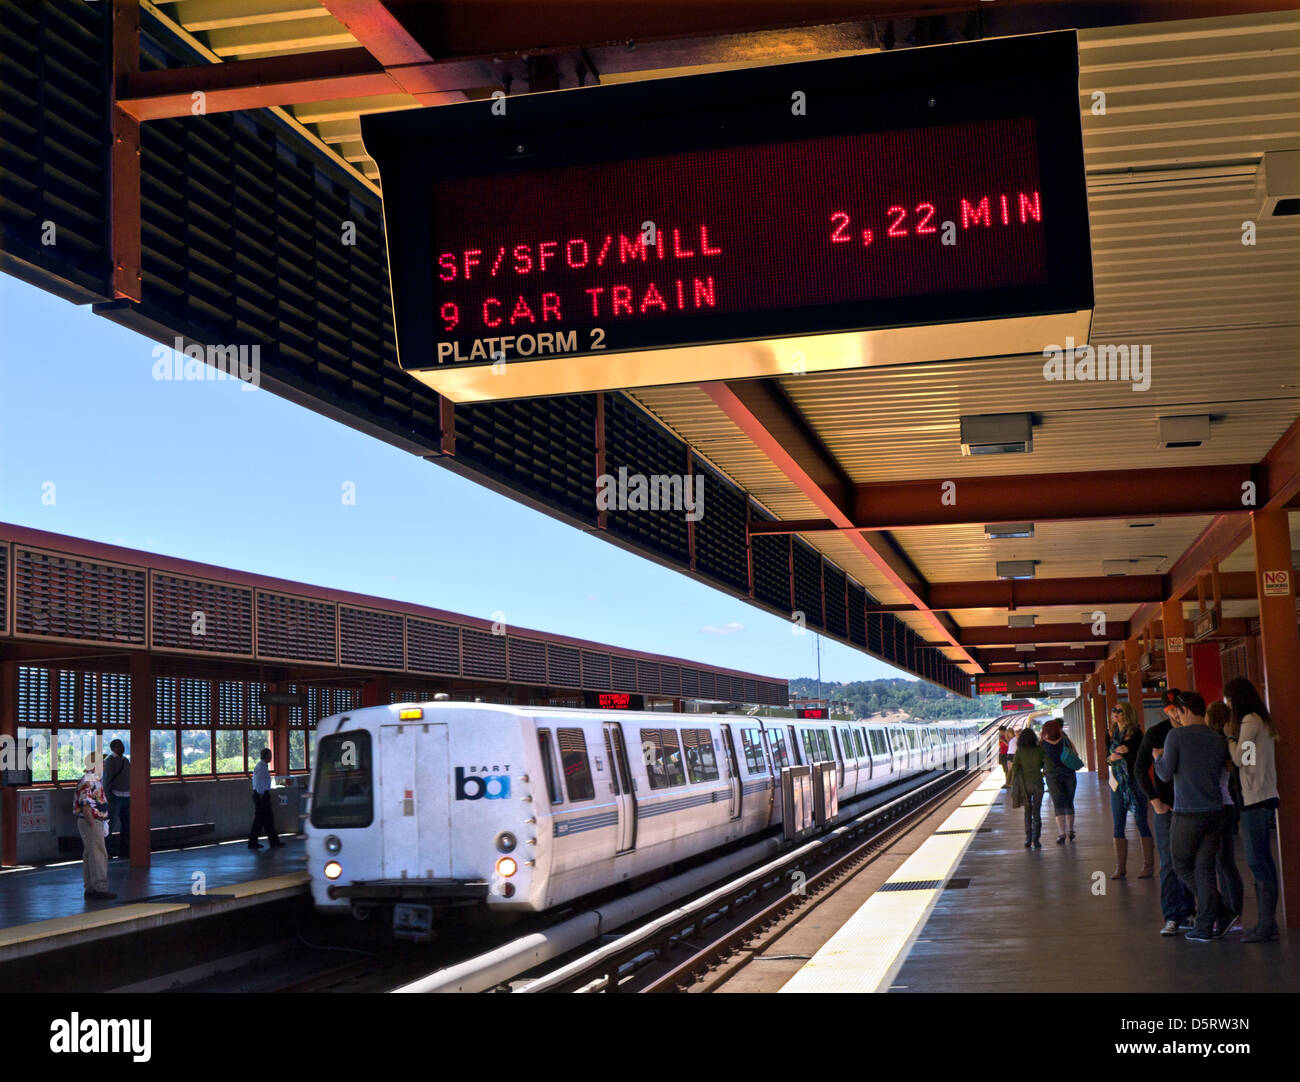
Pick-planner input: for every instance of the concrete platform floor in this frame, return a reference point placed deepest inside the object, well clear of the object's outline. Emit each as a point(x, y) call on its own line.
point(28, 895)
point(1028, 920)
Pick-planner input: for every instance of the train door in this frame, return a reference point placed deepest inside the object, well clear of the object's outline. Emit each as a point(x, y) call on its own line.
point(841, 755)
point(794, 745)
point(621, 774)
point(416, 815)
point(733, 769)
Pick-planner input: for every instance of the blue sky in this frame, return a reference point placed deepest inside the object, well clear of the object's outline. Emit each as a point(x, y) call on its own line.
point(244, 479)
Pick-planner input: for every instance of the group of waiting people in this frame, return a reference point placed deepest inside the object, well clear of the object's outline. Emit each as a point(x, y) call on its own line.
point(1206, 772)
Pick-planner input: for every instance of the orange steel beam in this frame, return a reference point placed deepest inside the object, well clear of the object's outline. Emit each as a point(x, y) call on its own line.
point(125, 243)
point(994, 635)
point(761, 410)
point(994, 656)
point(1280, 653)
point(1281, 470)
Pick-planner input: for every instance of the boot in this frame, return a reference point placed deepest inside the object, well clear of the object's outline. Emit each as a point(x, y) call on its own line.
point(1148, 858)
point(1266, 929)
point(1121, 858)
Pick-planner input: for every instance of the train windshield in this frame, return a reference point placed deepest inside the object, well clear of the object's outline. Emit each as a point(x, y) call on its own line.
point(343, 796)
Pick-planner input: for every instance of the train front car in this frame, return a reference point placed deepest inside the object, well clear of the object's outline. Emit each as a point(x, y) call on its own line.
point(418, 808)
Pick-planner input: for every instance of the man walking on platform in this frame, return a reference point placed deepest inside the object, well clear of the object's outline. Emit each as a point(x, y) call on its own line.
point(1193, 759)
point(117, 784)
point(263, 817)
point(1176, 901)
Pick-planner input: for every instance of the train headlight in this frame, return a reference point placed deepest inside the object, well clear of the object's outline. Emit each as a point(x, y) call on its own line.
point(506, 867)
point(333, 869)
point(333, 844)
point(506, 842)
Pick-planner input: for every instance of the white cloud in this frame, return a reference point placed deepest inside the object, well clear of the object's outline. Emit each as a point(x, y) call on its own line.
point(726, 629)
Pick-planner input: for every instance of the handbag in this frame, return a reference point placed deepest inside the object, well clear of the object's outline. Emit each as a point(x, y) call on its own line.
point(1069, 757)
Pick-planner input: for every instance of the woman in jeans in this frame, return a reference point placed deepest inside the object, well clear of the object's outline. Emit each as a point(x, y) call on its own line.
point(1231, 888)
point(1252, 737)
point(1061, 780)
point(1126, 795)
point(1027, 775)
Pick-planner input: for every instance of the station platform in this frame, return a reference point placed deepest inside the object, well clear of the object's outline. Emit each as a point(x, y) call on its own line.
point(42, 908)
point(972, 910)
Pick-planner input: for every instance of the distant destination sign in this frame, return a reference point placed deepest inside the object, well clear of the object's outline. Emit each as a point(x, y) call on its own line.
point(816, 713)
point(614, 700)
point(1010, 705)
point(1008, 684)
point(604, 237)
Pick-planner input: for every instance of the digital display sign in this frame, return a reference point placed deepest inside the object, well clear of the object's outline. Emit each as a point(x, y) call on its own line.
point(1011, 705)
point(814, 713)
point(1009, 684)
point(873, 209)
point(613, 700)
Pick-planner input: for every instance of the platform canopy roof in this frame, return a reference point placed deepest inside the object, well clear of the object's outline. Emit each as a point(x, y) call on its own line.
point(851, 463)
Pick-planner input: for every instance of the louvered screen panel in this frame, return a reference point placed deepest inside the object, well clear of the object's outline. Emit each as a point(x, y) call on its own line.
point(564, 666)
point(808, 583)
point(751, 691)
point(708, 685)
point(720, 533)
point(875, 633)
point(432, 648)
point(65, 598)
point(656, 459)
point(194, 699)
point(690, 682)
point(595, 671)
point(836, 616)
point(670, 679)
point(116, 690)
point(647, 677)
point(295, 627)
point(164, 700)
point(527, 660)
point(484, 654)
point(857, 616)
point(542, 447)
point(232, 702)
point(771, 554)
point(722, 687)
point(33, 695)
point(4, 588)
point(371, 639)
point(623, 673)
point(226, 624)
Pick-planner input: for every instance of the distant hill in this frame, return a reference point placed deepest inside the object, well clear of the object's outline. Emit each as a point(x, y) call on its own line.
point(914, 697)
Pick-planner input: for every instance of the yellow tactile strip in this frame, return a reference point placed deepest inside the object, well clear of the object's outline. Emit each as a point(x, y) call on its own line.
point(865, 954)
point(79, 923)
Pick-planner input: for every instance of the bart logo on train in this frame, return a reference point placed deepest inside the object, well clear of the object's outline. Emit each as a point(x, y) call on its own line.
point(489, 786)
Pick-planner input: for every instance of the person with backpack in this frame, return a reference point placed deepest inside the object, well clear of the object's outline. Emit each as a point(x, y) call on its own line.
point(91, 812)
point(117, 784)
point(1060, 761)
point(1252, 740)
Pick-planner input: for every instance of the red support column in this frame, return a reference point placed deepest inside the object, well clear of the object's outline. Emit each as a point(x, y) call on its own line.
point(277, 720)
point(1177, 674)
point(376, 691)
point(9, 761)
point(1280, 647)
point(1207, 670)
point(142, 717)
point(1133, 669)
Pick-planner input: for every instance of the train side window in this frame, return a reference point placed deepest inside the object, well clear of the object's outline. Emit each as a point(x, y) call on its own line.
point(753, 745)
point(343, 794)
point(663, 758)
point(577, 770)
point(809, 744)
point(780, 757)
point(857, 741)
point(846, 741)
point(701, 762)
point(911, 739)
point(548, 765)
point(824, 741)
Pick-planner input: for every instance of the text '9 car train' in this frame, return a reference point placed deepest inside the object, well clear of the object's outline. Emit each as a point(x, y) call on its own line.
point(526, 808)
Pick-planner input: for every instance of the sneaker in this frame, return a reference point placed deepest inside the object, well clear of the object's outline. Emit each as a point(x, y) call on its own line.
point(1223, 927)
point(1199, 937)
point(1170, 928)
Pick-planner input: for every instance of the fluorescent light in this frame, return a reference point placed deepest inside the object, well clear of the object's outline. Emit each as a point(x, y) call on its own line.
point(1015, 569)
point(997, 434)
point(1021, 619)
point(1006, 530)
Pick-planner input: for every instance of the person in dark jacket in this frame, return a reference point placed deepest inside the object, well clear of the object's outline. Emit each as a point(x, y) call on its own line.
point(1192, 759)
point(1177, 903)
point(1126, 795)
point(1231, 889)
point(1061, 780)
point(1027, 783)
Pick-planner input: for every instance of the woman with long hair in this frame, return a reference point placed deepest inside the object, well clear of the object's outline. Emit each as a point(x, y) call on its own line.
point(1126, 795)
point(1231, 888)
point(1061, 780)
point(1027, 784)
point(1252, 739)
